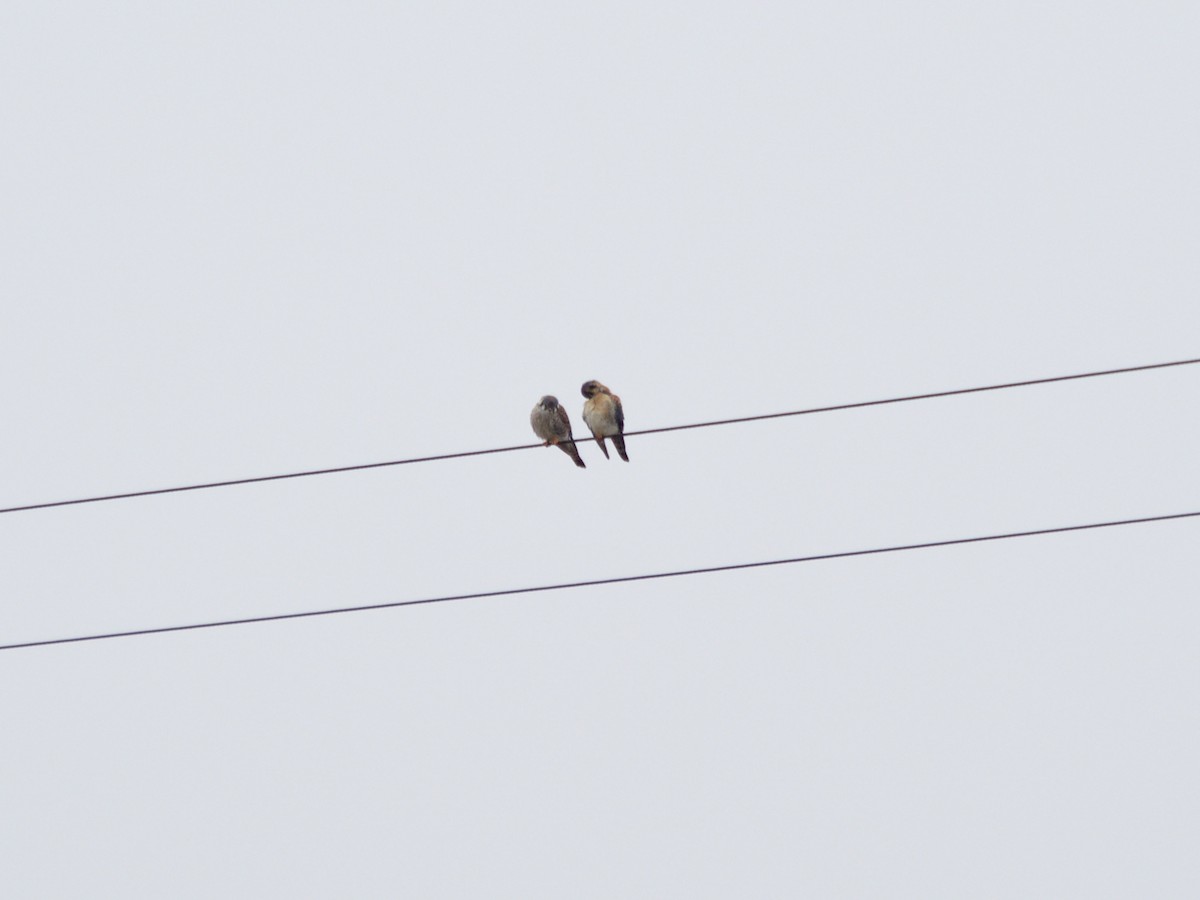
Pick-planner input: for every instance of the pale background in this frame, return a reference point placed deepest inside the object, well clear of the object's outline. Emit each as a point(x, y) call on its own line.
point(241, 239)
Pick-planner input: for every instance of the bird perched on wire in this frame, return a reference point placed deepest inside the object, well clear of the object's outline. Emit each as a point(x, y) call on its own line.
point(550, 423)
point(604, 416)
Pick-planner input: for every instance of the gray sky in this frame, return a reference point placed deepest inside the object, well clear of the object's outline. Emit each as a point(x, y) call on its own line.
point(250, 239)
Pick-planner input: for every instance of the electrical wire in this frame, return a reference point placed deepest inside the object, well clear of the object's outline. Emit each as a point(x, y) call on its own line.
point(707, 570)
point(756, 418)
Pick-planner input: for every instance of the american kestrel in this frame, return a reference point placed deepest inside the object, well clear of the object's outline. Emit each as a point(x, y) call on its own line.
point(604, 416)
point(550, 423)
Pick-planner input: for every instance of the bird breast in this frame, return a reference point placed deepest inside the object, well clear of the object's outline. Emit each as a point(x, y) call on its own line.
point(599, 415)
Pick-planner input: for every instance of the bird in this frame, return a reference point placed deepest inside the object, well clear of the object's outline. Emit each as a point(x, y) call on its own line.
point(551, 423)
point(604, 416)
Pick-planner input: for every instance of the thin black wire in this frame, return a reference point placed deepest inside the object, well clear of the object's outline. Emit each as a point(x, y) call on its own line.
point(424, 459)
point(599, 581)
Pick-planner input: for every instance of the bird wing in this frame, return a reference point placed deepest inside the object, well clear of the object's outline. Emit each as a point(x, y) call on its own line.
point(565, 420)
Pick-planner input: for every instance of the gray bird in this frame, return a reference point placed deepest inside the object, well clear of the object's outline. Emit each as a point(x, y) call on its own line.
point(550, 423)
point(604, 416)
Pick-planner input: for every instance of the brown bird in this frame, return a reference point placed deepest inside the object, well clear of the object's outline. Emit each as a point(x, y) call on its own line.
point(604, 416)
point(550, 423)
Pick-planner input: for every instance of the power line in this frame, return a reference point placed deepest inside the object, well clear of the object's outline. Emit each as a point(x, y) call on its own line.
point(707, 570)
point(910, 397)
point(424, 459)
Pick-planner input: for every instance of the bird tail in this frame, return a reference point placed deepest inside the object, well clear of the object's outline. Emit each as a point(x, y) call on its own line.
point(619, 441)
point(569, 448)
point(600, 440)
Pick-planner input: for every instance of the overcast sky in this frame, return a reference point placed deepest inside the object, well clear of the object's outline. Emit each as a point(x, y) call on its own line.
point(257, 238)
